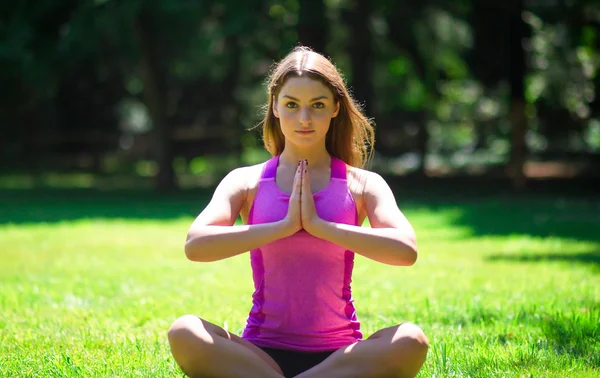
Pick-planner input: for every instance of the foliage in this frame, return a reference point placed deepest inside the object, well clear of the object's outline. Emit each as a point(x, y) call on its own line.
point(166, 79)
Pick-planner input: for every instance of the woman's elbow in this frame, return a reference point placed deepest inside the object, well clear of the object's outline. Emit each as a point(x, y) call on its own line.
point(189, 251)
point(408, 253)
point(411, 257)
point(193, 250)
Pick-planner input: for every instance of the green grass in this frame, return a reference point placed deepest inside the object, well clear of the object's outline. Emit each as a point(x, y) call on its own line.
point(90, 282)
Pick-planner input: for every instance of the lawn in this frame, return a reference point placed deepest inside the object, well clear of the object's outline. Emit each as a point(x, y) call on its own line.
point(505, 286)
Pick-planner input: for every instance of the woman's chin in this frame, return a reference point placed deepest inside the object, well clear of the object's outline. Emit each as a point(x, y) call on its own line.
point(305, 142)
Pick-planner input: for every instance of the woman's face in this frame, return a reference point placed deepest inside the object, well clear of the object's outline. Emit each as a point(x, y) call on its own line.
point(305, 108)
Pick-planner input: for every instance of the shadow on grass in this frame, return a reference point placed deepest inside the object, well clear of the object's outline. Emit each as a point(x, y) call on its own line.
point(576, 336)
point(592, 258)
point(573, 334)
point(486, 207)
point(51, 206)
point(534, 216)
point(490, 207)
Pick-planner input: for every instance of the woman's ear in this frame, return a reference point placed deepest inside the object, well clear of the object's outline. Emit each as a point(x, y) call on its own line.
point(337, 110)
point(275, 111)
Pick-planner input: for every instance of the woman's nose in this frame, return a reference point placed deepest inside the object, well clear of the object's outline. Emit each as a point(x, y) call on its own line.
point(304, 115)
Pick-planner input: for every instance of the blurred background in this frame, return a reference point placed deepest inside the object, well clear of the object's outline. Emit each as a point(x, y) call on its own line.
point(166, 94)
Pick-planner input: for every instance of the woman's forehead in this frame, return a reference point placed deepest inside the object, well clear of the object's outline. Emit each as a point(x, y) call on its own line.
point(303, 87)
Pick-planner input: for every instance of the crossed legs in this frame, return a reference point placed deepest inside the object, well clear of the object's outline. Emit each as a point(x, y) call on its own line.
point(205, 350)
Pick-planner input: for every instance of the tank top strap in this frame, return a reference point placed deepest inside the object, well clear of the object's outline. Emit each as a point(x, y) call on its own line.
point(270, 168)
point(338, 168)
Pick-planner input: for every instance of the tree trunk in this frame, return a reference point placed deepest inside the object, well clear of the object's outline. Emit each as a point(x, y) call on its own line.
point(312, 25)
point(361, 50)
point(231, 109)
point(155, 100)
point(403, 19)
point(517, 90)
point(422, 142)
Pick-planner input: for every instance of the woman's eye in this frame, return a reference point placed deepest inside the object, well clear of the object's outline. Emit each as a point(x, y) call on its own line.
point(291, 105)
point(318, 105)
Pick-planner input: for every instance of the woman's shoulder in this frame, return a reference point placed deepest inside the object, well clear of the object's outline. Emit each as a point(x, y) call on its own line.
point(362, 174)
point(362, 180)
point(248, 175)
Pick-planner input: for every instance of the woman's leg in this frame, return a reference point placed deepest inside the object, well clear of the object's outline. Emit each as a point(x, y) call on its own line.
point(395, 352)
point(203, 349)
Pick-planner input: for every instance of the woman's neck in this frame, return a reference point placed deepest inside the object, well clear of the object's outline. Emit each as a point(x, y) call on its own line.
point(317, 158)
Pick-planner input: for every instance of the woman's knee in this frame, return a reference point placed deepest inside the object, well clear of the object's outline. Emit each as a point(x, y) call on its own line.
point(412, 336)
point(409, 350)
point(188, 328)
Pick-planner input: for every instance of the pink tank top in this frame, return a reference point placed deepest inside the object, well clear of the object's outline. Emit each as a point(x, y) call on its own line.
point(302, 298)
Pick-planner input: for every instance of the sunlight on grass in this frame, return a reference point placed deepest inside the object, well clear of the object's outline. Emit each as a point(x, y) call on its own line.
point(92, 292)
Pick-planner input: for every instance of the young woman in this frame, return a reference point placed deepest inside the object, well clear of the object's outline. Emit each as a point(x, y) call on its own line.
point(303, 210)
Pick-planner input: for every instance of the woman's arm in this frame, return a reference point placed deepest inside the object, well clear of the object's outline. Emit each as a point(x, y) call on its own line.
point(213, 236)
point(391, 238)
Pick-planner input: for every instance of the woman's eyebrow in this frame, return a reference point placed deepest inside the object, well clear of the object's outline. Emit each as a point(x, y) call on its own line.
point(314, 99)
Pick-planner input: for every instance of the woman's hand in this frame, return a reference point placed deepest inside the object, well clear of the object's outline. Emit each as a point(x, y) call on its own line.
point(302, 213)
point(310, 217)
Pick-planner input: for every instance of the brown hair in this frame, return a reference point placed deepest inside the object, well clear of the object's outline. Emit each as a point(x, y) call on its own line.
point(350, 136)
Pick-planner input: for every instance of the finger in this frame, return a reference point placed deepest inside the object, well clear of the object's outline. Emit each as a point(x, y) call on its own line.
point(305, 178)
point(297, 186)
point(306, 172)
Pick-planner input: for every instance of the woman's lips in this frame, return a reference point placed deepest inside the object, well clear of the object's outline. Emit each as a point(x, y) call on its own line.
point(305, 131)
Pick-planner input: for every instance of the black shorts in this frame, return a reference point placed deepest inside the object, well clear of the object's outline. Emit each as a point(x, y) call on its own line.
point(293, 362)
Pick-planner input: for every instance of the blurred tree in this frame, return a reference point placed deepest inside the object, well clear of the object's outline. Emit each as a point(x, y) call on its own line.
point(518, 33)
point(170, 80)
point(312, 25)
point(153, 75)
point(404, 20)
point(360, 49)
point(428, 38)
point(564, 57)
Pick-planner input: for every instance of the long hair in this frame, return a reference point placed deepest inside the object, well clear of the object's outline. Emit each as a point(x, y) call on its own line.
point(350, 137)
